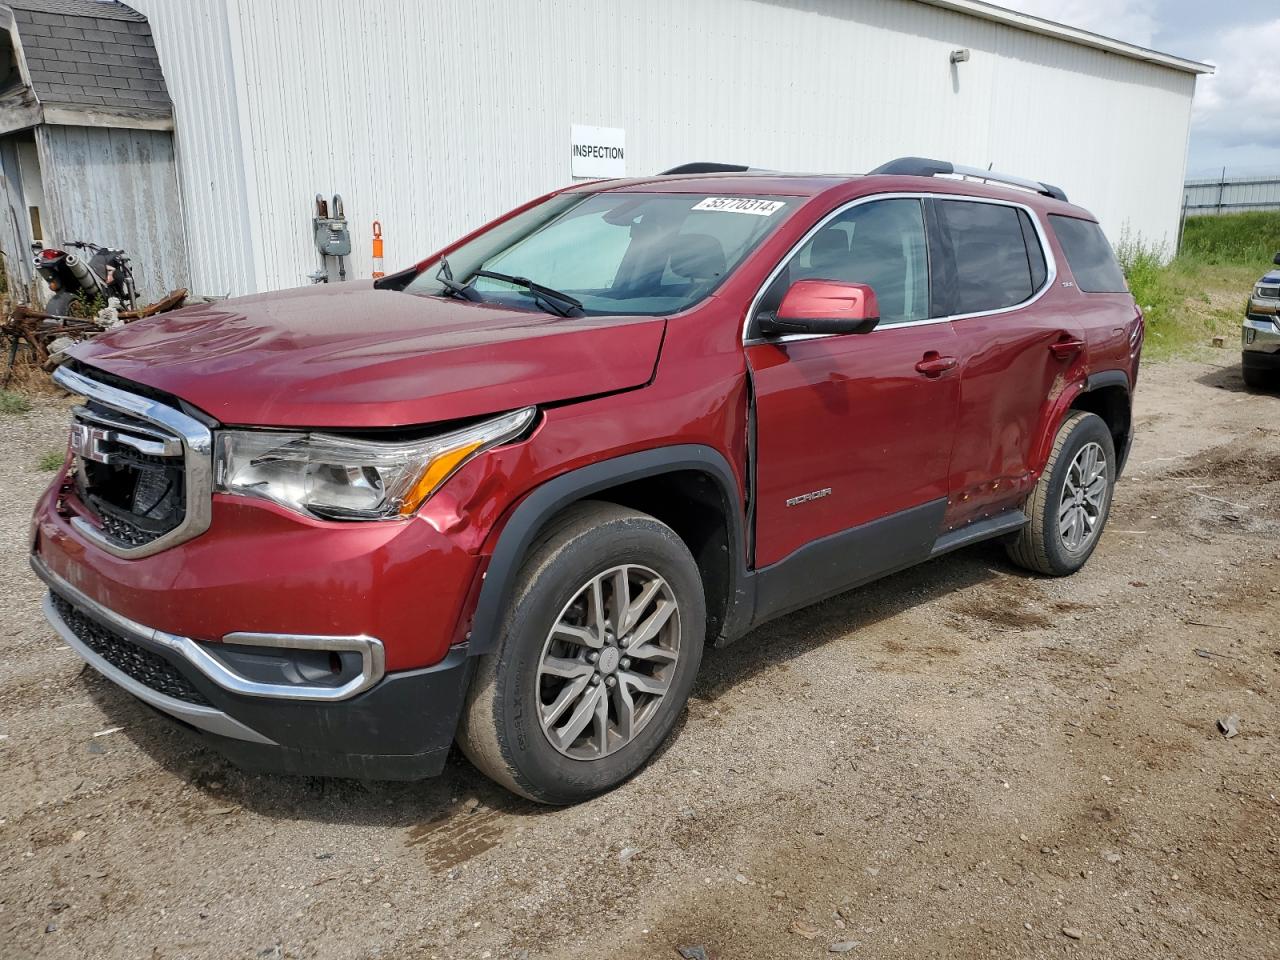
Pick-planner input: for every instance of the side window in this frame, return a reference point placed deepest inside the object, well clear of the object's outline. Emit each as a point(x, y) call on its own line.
point(881, 244)
point(1090, 256)
point(992, 266)
point(1035, 253)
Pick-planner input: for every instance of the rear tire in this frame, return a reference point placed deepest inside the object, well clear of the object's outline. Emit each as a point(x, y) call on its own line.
point(567, 645)
point(1069, 506)
point(60, 304)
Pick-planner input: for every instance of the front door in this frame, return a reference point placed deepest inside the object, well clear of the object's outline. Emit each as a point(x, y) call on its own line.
point(856, 430)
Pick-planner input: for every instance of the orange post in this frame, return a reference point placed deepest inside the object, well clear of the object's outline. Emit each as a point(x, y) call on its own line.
point(377, 250)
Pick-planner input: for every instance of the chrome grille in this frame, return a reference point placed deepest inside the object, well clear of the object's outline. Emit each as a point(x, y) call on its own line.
point(143, 468)
point(130, 474)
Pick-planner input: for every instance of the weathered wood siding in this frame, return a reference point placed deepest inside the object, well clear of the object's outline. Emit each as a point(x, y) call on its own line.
point(15, 232)
point(117, 188)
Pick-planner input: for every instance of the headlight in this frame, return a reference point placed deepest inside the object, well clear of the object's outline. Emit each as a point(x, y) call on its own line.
point(343, 478)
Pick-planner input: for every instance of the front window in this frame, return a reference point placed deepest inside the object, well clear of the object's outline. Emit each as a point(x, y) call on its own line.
point(615, 253)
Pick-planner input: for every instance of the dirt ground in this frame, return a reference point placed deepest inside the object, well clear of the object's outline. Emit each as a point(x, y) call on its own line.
point(960, 761)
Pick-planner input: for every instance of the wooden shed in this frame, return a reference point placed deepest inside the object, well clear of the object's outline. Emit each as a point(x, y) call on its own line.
point(86, 140)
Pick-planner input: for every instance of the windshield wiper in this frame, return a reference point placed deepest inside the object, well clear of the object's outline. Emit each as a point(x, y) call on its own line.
point(551, 299)
point(452, 288)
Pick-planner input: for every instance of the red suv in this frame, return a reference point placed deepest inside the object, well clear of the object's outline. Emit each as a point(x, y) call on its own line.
point(507, 496)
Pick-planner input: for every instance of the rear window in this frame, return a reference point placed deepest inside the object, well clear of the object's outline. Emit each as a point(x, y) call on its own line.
point(993, 268)
point(1089, 254)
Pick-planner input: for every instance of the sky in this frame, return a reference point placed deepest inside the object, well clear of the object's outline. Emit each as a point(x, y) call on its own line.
point(1236, 118)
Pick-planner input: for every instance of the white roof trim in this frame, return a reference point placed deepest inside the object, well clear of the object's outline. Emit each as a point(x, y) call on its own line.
point(1060, 31)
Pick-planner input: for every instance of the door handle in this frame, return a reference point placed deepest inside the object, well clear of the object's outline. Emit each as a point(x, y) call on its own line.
point(934, 365)
point(1066, 348)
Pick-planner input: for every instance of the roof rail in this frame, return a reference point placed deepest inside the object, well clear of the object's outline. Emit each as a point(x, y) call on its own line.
point(705, 166)
point(923, 167)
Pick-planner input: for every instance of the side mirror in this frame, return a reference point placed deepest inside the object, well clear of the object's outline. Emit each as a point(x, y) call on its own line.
point(1277, 259)
point(824, 306)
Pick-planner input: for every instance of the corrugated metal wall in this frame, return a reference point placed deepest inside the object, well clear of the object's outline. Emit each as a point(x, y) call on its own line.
point(1232, 194)
point(198, 59)
point(125, 178)
point(435, 116)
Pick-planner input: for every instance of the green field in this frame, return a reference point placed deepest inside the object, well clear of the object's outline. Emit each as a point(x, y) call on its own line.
point(1200, 293)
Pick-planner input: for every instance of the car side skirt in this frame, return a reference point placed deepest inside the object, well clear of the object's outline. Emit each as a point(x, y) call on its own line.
point(847, 559)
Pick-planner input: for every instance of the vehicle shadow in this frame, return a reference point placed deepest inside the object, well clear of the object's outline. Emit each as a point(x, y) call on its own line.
point(1224, 377)
point(797, 633)
point(1229, 377)
point(440, 805)
point(183, 753)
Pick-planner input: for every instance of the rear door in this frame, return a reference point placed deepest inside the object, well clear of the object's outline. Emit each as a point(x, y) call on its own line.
point(1019, 349)
point(856, 430)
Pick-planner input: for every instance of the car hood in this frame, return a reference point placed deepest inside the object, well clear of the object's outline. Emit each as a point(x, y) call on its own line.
point(352, 356)
point(1272, 277)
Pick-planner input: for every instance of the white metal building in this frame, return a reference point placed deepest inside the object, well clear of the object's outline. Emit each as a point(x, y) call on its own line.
point(433, 116)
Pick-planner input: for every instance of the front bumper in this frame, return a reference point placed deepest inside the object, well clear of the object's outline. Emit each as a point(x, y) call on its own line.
point(1260, 337)
point(399, 728)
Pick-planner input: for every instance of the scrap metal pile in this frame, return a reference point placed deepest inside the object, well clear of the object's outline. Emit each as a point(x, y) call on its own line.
point(44, 338)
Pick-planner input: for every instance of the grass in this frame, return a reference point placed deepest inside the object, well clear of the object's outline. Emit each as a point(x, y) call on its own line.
point(11, 402)
point(52, 459)
point(1201, 293)
point(1235, 238)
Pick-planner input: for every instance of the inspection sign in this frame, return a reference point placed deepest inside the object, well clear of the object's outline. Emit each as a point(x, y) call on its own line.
point(598, 151)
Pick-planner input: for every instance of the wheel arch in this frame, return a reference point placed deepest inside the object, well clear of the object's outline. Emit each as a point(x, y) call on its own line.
point(1107, 394)
point(690, 487)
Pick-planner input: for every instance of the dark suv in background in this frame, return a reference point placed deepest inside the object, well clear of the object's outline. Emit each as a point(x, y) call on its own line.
point(508, 495)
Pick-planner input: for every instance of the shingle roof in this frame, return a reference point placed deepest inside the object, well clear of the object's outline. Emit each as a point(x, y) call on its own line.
point(91, 53)
point(107, 9)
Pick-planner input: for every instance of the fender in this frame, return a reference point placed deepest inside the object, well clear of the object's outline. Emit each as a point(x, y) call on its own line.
point(553, 496)
point(1107, 378)
point(1095, 381)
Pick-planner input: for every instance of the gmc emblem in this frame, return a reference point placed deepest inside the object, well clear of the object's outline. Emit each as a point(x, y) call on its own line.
point(86, 441)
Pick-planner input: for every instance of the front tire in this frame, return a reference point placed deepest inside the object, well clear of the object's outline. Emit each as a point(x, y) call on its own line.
point(594, 660)
point(1069, 506)
point(1256, 378)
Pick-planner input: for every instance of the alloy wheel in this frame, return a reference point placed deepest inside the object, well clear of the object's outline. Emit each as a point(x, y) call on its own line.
point(608, 662)
point(1084, 497)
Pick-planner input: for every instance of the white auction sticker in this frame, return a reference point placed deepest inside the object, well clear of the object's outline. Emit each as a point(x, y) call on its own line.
point(752, 205)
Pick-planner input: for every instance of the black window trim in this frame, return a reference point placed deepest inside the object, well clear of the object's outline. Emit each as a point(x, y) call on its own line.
point(932, 244)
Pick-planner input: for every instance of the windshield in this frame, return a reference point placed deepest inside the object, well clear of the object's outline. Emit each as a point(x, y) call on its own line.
point(615, 253)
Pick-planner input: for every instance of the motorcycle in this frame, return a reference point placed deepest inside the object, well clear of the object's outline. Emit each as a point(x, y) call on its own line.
point(106, 274)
